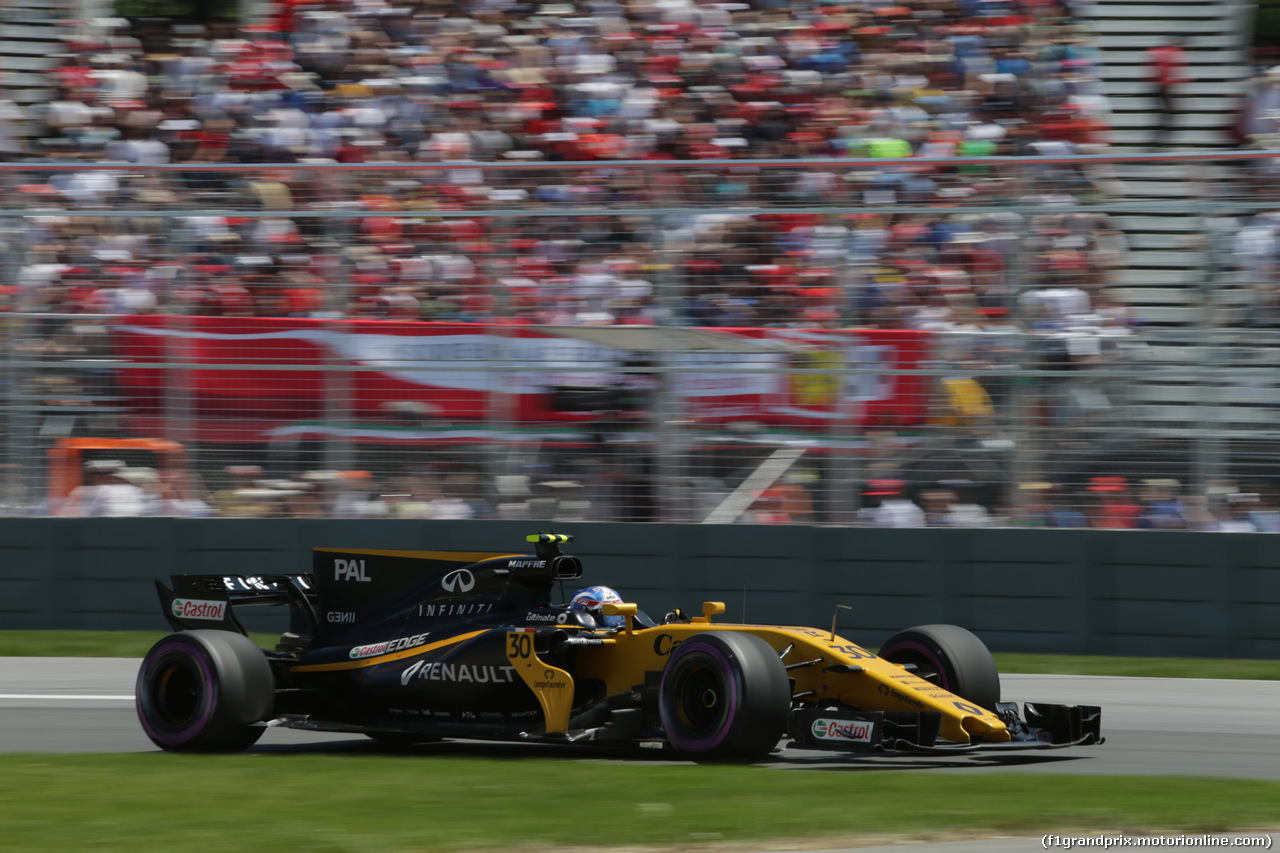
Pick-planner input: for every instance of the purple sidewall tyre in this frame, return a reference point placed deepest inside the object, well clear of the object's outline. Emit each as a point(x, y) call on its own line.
point(170, 726)
point(724, 696)
point(951, 657)
point(945, 679)
point(204, 691)
point(716, 666)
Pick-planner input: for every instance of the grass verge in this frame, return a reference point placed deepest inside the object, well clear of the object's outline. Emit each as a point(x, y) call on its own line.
point(135, 644)
point(91, 644)
point(1267, 670)
point(412, 804)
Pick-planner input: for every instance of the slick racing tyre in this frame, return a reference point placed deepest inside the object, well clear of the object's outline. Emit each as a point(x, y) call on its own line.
point(724, 696)
point(201, 691)
point(950, 657)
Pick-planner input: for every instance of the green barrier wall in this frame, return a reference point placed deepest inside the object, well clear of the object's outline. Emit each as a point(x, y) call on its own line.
point(1086, 592)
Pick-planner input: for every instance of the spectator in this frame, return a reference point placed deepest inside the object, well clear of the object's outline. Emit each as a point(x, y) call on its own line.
point(1255, 255)
point(936, 504)
point(106, 494)
point(1064, 510)
point(1265, 514)
point(1163, 509)
point(885, 504)
point(357, 496)
point(1256, 124)
point(785, 502)
point(1168, 75)
point(1234, 516)
point(1048, 505)
point(242, 497)
point(964, 510)
point(13, 131)
point(1113, 508)
point(176, 497)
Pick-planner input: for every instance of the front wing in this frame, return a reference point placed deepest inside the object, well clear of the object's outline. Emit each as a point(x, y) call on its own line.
point(1045, 726)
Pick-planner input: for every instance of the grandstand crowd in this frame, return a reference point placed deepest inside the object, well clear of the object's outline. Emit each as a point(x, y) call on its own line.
point(403, 162)
point(507, 84)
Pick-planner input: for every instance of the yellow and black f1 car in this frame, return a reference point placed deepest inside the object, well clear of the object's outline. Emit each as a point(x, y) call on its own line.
point(409, 646)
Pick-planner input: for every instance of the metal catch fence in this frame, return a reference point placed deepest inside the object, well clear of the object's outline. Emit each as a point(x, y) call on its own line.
point(855, 341)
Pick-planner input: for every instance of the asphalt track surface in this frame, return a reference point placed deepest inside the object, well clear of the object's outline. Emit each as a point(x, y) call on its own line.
point(1153, 726)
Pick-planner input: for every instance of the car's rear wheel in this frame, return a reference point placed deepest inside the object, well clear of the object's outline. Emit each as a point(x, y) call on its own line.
point(950, 657)
point(724, 696)
point(202, 691)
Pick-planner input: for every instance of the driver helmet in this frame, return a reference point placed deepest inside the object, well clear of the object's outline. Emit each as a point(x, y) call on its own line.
point(591, 601)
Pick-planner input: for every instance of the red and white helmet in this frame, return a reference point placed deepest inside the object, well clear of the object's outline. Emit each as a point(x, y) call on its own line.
point(592, 600)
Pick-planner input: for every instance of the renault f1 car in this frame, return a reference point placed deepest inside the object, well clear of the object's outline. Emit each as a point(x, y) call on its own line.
point(407, 647)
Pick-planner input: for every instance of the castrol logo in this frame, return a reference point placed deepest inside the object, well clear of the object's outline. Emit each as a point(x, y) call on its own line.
point(194, 608)
point(850, 730)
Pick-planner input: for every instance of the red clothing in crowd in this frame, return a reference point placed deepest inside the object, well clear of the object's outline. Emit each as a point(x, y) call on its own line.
point(1168, 66)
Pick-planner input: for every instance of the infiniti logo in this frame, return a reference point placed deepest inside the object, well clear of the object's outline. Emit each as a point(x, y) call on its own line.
point(459, 580)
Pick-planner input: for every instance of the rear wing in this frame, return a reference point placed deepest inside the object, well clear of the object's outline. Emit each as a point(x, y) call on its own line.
point(207, 601)
point(370, 583)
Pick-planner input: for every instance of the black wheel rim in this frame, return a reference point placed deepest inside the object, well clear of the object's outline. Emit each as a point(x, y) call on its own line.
point(701, 698)
point(177, 694)
point(927, 666)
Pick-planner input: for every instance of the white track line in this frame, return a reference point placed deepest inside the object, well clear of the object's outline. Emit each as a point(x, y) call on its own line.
point(77, 696)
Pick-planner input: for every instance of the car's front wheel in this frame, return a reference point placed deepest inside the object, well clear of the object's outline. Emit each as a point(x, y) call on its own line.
point(951, 657)
point(202, 691)
point(724, 696)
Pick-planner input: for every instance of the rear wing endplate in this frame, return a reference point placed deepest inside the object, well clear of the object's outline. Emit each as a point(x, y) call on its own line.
point(208, 601)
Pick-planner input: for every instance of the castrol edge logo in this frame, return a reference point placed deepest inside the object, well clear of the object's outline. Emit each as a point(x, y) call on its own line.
point(854, 730)
point(387, 647)
point(194, 608)
point(367, 651)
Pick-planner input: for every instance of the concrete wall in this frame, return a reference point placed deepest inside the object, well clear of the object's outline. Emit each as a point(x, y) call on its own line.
point(1092, 592)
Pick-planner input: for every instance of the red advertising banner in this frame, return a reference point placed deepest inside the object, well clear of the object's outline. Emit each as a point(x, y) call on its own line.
point(241, 379)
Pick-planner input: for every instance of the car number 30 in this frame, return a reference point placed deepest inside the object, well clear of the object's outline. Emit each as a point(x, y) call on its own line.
point(521, 645)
